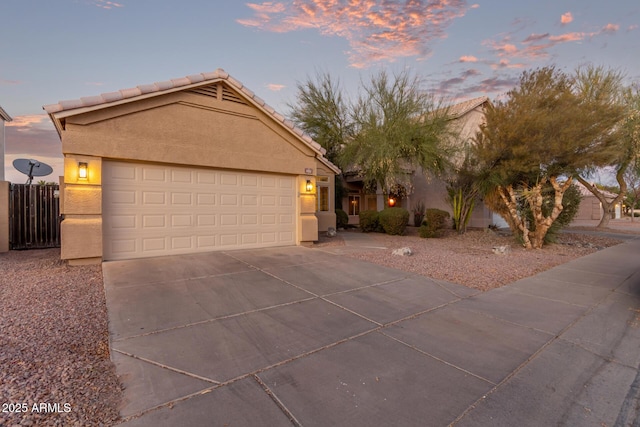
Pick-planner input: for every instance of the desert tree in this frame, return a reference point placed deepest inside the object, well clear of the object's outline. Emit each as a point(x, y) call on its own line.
point(397, 126)
point(535, 140)
point(600, 87)
point(320, 109)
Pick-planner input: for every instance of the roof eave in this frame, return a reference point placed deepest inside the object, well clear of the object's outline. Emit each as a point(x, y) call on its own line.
point(6, 117)
point(58, 112)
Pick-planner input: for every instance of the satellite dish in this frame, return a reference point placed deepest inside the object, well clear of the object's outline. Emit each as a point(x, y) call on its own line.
point(31, 168)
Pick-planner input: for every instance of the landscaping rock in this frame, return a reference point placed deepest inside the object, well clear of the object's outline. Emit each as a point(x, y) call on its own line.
point(331, 232)
point(501, 250)
point(406, 251)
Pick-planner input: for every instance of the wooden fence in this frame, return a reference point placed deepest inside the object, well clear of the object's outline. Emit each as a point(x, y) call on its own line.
point(34, 217)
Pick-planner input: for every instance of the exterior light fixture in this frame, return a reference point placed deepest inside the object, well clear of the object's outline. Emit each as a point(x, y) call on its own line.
point(392, 202)
point(309, 186)
point(82, 170)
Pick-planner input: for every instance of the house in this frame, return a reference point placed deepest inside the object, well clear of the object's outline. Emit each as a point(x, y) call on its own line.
point(188, 165)
point(424, 187)
point(590, 207)
point(4, 188)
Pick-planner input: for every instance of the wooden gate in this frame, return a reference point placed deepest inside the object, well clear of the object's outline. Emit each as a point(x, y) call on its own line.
point(34, 217)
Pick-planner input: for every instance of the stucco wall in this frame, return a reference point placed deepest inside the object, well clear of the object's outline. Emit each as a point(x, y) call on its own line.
point(189, 129)
point(327, 219)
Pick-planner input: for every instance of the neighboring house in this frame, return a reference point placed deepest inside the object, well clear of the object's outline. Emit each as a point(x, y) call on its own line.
point(467, 117)
point(4, 117)
point(188, 165)
point(590, 206)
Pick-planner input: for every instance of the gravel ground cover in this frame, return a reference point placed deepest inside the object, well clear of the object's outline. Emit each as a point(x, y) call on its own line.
point(469, 260)
point(54, 352)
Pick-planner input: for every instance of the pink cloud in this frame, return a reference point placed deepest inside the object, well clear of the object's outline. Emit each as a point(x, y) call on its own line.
point(535, 37)
point(375, 31)
point(468, 58)
point(10, 82)
point(566, 18)
point(611, 28)
point(505, 63)
point(105, 4)
point(32, 136)
point(22, 123)
point(275, 87)
point(567, 37)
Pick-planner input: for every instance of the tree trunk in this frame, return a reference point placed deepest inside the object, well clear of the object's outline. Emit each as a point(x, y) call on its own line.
point(606, 205)
point(515, 221)
point(543, 223)
point(534, 239)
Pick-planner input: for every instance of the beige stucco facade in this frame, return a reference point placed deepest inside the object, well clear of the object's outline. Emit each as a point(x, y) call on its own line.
point(211, 124)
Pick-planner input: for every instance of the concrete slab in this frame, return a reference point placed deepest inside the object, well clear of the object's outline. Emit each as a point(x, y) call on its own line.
point(280, 257)
point(616, 260)
point(527, 310)
point(571, 293)
point(157, 306)
point(143, 271)
point(336, 275)
point(372, 381)
point(564, 386)
point(487, 347)
point(611, 330)
point(631, 285)
point(396, 300)
point(241, 404)
point(147, 386)
point(231, 347)
point(575, 274)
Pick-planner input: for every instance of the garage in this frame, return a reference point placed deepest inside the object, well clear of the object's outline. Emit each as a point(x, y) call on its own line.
point(193, 164)
point(152, 210)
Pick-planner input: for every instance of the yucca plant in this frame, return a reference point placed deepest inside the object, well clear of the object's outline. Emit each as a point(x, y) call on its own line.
point(462, 204)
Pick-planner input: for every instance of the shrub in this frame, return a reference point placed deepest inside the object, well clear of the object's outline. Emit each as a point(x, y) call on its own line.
point(434, 222)
point(342, 219)
point(369, 221)
point(394, 220)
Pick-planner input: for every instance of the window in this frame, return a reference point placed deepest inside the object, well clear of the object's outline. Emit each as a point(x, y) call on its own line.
point(354, 205)
point(323, 193)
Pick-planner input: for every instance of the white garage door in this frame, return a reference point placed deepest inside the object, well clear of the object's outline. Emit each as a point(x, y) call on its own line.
point(151, 210)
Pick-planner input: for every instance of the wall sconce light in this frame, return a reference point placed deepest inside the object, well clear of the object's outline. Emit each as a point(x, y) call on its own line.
point(392, 202)
point(82, 170)
point(309, 186)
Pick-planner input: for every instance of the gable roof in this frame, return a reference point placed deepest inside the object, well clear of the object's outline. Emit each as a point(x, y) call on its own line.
point(4, 115)
point(68, 108)
point(459, 110)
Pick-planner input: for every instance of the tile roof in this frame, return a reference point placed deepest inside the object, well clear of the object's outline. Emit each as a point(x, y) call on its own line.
point(90, 103)
point(459, 110)
point(4, 115)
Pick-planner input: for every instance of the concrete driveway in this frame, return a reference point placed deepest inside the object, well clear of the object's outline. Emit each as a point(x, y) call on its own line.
point(298, 336)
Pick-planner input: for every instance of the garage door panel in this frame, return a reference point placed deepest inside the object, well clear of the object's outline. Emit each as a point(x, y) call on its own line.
point(152, 210)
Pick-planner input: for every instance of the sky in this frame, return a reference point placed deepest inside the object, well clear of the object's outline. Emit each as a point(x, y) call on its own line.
point(55, 50)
